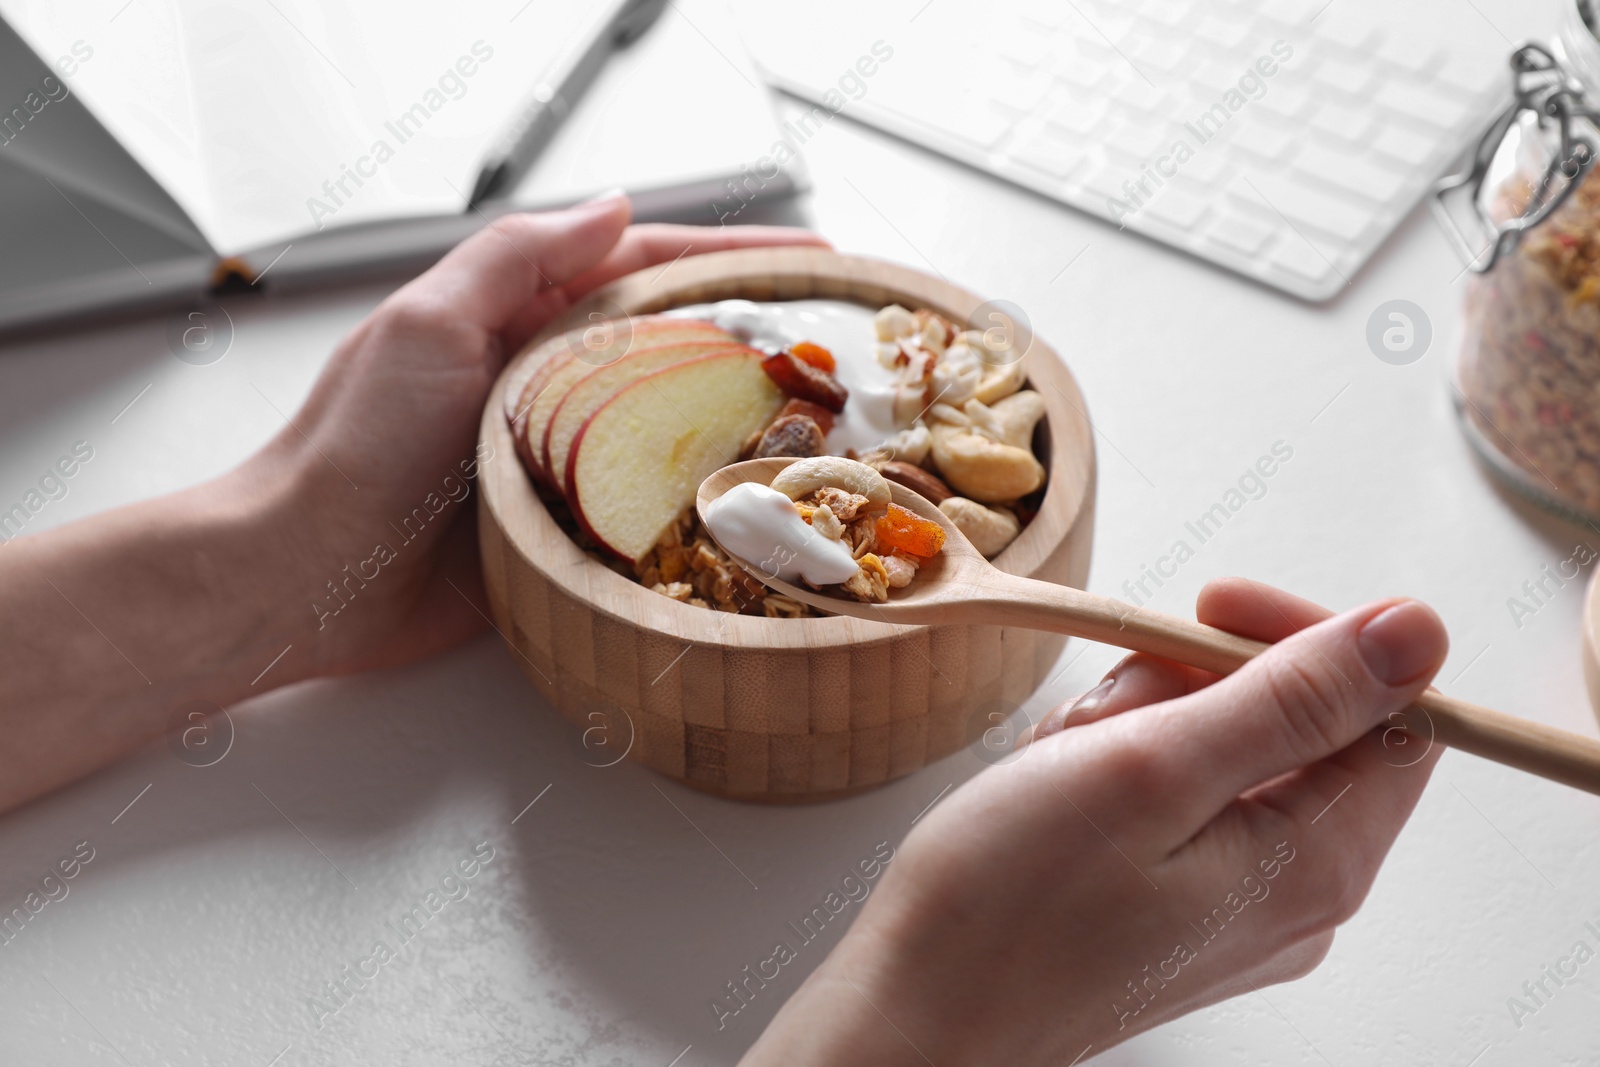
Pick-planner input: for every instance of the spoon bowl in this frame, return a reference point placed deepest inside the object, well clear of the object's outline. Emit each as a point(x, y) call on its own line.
point(960, 584)
point(957, 565)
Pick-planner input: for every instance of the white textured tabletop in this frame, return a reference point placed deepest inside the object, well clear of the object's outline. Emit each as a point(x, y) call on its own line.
point(223, 901)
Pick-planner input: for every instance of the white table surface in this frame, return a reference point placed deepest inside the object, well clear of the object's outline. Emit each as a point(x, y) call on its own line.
point(228, 895)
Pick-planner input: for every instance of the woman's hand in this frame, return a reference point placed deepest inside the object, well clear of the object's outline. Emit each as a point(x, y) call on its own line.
point(346, 543)
point(388, 432)
point(1166, 842)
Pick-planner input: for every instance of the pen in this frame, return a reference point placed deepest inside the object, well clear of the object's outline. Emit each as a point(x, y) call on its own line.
point(552, 99)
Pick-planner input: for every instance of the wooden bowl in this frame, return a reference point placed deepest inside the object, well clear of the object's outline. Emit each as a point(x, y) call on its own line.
point(771, 709)
point(1591, 642)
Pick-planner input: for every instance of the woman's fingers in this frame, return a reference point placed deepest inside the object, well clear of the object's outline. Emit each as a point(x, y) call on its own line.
point(1311, 695)
point(1237, 605)
point(1255, 610)
point(1137, 681)
point(639, 247)
point(490, 278)
point(649, 244)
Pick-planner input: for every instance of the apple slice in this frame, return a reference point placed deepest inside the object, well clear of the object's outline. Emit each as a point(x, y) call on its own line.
point(527, 374)
point(639, 460)
point(549, 354)
point(544, 390)
point(601, 384)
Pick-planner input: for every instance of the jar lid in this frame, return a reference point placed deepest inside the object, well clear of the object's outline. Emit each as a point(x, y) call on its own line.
point(1591, 641)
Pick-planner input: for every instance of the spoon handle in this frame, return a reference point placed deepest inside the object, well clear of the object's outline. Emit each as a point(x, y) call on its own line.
point(1534, 747)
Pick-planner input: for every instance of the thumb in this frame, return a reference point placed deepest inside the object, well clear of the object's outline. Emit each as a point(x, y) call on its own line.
point(492, 276)
point(1305, 698)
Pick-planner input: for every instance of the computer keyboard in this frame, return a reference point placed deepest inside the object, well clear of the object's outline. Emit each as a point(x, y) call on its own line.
point(1282, 139)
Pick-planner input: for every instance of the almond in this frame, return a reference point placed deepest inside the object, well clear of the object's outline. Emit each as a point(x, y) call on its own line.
point(917, 480)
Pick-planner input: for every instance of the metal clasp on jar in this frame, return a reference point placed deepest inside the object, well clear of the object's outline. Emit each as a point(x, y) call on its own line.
point(1542, 87)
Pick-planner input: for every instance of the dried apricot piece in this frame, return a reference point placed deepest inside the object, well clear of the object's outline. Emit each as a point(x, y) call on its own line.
point(815, 355)
point(910, 533)
point(800, 379)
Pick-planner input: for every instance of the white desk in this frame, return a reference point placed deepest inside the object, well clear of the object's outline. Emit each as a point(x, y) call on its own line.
point(606, 922)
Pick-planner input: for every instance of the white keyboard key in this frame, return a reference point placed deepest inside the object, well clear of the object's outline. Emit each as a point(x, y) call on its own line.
point(1224, 34)
point(1056, 158)
point(1050, 13)
point(1138, 141)
point(1472, 75)
point(1351, 78)
point(1216, 78)
point(1254, 139)
point(1346, 123)
point(1075, 117)
point(1165, 12)
point(1106, 181)
point(1163, 57)
point(1133, 88)
point(1240, 233)
point(1288, 12)
point(1297, 256)
point(1176, 207)
point(1306, 208)
point(1409, 56)
point(1103, 23)
point(1020, 93)
point(1288, 102)
point(1351, 173)
point(1422, 104)
point(977, 122)
point(1346, 30)
point(1404, 146)
point(1026, 49)
point(1083, 72)
point(1208, 166)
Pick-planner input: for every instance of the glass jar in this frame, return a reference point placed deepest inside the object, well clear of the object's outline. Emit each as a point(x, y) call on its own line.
point(1527, 382)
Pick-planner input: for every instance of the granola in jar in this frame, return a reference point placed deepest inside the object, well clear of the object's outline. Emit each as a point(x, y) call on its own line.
point(1528, 375)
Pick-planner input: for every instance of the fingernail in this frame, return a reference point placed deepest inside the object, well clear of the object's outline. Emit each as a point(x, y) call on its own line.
point(600, 198)
point(1091, 701)
point(1402, 643)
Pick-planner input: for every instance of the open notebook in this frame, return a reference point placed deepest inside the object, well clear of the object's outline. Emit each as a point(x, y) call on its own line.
point(149, 147)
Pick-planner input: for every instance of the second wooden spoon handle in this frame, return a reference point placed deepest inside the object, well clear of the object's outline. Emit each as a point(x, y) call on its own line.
point(1547, 751)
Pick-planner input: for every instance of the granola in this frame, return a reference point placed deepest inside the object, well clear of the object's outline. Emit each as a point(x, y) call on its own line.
point(880, 548)
point(1529, 370)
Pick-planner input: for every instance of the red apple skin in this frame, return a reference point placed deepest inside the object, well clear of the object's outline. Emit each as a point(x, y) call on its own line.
point(575, 500)
point(547, 462)
point(644, 327)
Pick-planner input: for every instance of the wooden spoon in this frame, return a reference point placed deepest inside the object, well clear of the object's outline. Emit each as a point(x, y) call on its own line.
point(960, 586)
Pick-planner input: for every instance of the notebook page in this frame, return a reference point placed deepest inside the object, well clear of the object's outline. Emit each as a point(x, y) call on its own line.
point(267, 121)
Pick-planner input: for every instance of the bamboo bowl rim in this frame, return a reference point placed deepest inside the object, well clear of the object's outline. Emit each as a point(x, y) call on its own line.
point(769, 275)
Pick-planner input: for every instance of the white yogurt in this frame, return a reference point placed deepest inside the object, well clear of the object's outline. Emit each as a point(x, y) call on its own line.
point(845, 330)
point(761, 527)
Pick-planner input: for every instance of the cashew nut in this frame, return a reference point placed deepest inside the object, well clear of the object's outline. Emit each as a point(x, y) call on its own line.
point(959, 372)
point(899, 571)
point(1009, 421)
point(909, 400)
point(989, 529)
point(909, 445)
point(944, 413)
point(806, 476)
point(826, 523)
point(982, 469)
point(1000, 379)
point(893, 322)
